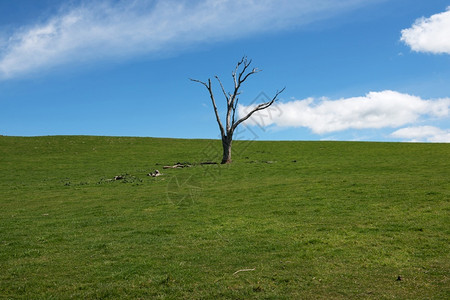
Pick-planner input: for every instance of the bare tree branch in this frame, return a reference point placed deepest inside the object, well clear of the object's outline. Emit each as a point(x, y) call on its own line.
point(238, 80)
point(254, 71)
point(235, 72)
point(196, 80)
point(208, 86)
point(227, 96)
point(246, 65)
point(234, 111)
point(257, 108)
point(242, 73)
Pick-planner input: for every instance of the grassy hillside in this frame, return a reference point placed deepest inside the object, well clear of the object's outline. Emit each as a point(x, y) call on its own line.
point(286, 220)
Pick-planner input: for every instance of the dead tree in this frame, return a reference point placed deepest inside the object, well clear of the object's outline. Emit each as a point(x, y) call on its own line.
point(240, 75)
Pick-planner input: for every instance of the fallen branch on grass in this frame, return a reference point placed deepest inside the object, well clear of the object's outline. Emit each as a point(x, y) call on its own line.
point(177, 166)
point(243, 270)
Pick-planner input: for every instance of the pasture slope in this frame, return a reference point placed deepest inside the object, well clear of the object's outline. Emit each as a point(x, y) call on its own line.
point(285, 220)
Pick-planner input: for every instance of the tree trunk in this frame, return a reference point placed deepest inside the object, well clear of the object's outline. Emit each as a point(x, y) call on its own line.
point(226, 144)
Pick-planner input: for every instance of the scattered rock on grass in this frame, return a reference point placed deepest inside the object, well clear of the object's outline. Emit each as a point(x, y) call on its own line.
point(155, 174)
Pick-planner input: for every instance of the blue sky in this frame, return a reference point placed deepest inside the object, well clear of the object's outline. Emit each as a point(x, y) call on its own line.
point(365, 70)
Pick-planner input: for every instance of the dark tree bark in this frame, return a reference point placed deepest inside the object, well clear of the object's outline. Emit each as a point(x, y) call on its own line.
point(226, 144)
point(240, 75)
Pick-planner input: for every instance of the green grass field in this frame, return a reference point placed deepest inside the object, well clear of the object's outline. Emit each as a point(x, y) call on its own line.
point(285, 220)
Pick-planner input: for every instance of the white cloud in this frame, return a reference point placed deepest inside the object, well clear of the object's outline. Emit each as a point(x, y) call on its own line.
point(374, 111)
point(429, 34)
point(423, 134)
point(106, 29)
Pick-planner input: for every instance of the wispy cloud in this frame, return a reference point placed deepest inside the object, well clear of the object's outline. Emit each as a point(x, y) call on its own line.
point(376, 110)
point(423, 134)
point(100, 30)
point(429, 34)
